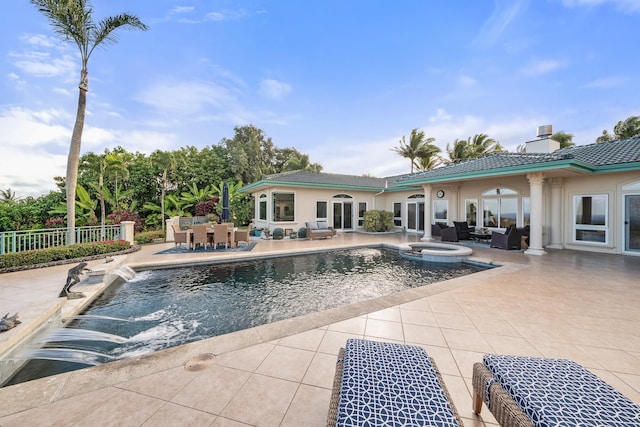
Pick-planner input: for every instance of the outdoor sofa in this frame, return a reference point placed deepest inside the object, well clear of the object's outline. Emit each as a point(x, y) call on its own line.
point(526, 391)
point(388, 384)
point(319, 230)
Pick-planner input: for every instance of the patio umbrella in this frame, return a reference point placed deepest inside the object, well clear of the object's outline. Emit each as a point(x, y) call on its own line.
point(225, 202)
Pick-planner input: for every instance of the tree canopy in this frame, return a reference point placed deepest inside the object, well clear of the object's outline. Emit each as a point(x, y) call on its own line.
point(628, 128)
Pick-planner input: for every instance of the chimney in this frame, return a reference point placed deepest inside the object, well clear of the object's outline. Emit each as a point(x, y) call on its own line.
point(544, 143)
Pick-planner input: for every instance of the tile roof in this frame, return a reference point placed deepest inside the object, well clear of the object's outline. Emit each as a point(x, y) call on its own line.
point(592, 156)
point(586, 157)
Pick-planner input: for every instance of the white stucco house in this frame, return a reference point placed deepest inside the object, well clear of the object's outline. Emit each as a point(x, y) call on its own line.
point(585, 197)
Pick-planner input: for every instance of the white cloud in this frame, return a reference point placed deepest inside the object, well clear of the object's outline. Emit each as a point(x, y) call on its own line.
point(185, 98)
point(467, 81)
point(504, 13)
point(274, 89)
point(605, 83)
point(541, 66)
point(181, 9)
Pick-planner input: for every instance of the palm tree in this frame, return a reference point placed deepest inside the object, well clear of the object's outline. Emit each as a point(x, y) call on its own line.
point(116, 167)
point(565, 139)
point(418, 146)
point(166, 160)
point(8, 196)
point(431, 161)
point(73, 21)
point(469, 149)
point(301, 162)
point(622, 130)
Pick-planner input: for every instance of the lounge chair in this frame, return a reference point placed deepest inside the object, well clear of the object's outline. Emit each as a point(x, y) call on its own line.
point(463, 229)
point(380, 383)
point(179, 236)
point(528, 391)
point(508, 240)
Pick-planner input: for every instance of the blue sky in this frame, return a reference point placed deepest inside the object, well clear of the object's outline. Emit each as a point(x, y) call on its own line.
point(339, 80)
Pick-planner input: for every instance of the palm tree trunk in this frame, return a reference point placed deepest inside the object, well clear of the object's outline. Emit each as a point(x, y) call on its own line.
point(74, 158)
point(102, 207)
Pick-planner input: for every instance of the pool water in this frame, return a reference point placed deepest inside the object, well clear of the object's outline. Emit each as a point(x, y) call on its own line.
point(169, 307)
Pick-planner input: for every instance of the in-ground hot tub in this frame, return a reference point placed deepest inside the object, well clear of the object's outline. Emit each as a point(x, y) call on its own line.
point(435, 252)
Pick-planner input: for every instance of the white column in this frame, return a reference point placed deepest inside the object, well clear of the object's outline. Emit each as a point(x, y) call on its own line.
point(127, 231)
point(453, 214)
point(169, 237)
point(427, 212)
point(535, 235)
point(556, 213)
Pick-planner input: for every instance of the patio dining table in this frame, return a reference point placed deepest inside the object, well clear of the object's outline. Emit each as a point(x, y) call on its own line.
point(230, 230)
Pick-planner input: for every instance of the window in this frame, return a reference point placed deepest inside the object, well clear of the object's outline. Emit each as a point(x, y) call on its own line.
point(497, 210)
point(262, 208)
point(283, 207)
point(362, 208)
point(591, 219)
point(440, 208)
point(321, 210)
point(397, 214)
point(471, 211)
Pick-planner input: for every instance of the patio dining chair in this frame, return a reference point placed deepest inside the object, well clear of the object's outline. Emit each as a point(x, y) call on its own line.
point(200, 236)
point(179, 236)
point(243, 235)
point(220, 235)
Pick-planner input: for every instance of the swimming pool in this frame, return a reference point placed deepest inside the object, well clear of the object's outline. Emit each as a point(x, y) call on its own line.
point(169, 307)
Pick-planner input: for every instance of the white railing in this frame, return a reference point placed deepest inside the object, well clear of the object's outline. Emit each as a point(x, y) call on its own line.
point(26, 240)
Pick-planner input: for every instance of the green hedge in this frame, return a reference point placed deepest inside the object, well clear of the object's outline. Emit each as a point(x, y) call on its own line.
point(43, 256)
point(378, 221)
point(149, 236)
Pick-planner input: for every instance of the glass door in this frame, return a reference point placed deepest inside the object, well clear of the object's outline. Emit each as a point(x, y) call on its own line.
point(343, 215)
point(632, 223)
point(415, 216)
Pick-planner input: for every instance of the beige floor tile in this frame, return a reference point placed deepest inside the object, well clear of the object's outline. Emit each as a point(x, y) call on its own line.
point(494, 325)
point(355, 325)
point(459, 395)
point(440, 305)
point(417, 305)
point(632, 381)
point(309, 340)
point(163, 385)
point(262, 401)
point(309, 408)
point(561, 350)
point(213, 389)
point(465, 360)
point(466, 340)
point(511, 345)
point(246, 359)
point(454, 321)
point(125, 408)
point(171, 415)
point(334, 341)
point(614, 360)
point(384, 329)
point(390, 314)
point(61, 413)
point(424, 335)
point(616, 381)
point(443, 359)
point(321, 371)
point(286, 363)
point(225, 422)
point(414, 317)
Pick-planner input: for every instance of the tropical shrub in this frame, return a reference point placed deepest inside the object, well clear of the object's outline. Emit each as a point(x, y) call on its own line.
point(149, 236)
point(378, 221)
point(116, 217)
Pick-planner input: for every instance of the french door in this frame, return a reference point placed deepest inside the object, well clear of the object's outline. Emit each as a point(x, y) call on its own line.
point(415, 216)
point(632, 223)
point(343, 215)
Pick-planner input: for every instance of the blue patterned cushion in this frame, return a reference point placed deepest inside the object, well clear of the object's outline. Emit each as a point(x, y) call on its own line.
point(559, 392)
point(386, 384)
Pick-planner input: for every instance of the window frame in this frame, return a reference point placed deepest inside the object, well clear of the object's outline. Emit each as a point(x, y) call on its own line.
point(590, 229)
point(277, 216)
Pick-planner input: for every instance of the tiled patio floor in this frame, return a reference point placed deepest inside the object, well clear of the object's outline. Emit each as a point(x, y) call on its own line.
point(575, 305)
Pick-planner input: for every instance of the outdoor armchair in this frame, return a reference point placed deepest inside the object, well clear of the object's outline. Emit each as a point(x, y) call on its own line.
point(463, 230)
point(243, 235)
point(511, 239)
